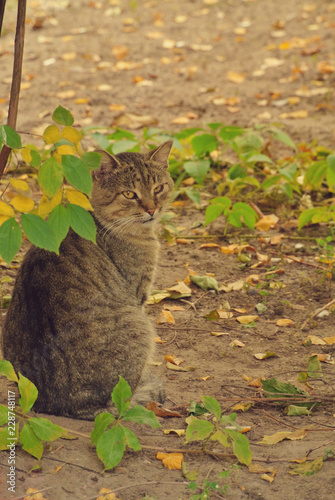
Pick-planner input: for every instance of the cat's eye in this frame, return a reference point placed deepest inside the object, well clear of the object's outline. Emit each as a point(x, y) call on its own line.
point(159, 189)
point(129, 194)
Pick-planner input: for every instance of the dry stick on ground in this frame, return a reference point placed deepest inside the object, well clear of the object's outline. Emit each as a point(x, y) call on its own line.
point(315, 313)
point(16, 79)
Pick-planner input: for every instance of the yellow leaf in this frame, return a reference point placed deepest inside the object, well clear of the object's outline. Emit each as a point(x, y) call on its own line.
point(231, 249)
point(260, 468)
point(44, 207)
point(268, 478)
point(236, 343)
point(314, 340)
point(82, 100)
point(179, 432)
point(180, 120)
point(285, 322)
point(180, 288)
point(171, 460)
point(158, 340)
point(205, 378)
point(280, 436)
point(52, 134)
point(66, 150)
point(26, 155)
point(72, 134)
point(242, 407)
point(235, 77)
point(20, 186)
point(267, 222)
point(3, 219)
point(77, 198)
point(165, 317)
point(173, 359)
point(253, 279)
point(56, 200)
point(219, 334)
point(22, 203)
point(301, 113)
point(209, 245)
point(245, 320)
point(265, 355)
point(6, 209)
point(106, 494)
point(330, 340)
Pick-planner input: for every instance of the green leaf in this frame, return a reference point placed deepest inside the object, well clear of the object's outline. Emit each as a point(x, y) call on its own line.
point(82, 222)
point(9, 137)
point(28, 393)
point(111, 446)
point(221, 437)
point(196, 409)
point(229, 133)
point(50, 176)
point(315, 174)
point(314, 369)
point(102, 141)
point(205, 282)
point(282, 137)
point(35, 158)
point(77, 173)
point(62, 116)
point(120, 133)
point(4, 414)
point(30, 442)
point(197, 169)
point(101, 422)
point(306, 216)
point(59, 222)
point(213, 406)
point(221, 200)
point(296, 411)
point(121, 396)
point(6, 369)
point(237, 172)
point(275, 387)
point(131, 439)
point(213, 212)
point(204, 143)
point(330, 176)
point(122, 146)
point(92, 160)
point(259, 158)
point(241, 447)
point(10, 239)
point(198, 430)
point(194, 195)
point(39, 232)
point(187, 132)
point(141, 415)
point(307, 468)
point(243, 212)
point(45, 429)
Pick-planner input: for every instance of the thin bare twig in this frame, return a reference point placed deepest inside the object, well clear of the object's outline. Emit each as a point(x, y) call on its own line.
point(16, 79)
point(315, 313)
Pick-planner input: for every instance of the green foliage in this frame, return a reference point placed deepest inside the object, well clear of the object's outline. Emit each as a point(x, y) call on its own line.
point(223, 429)
point(34, 431)
point(238, 214)
point(110, 436)
point(63, 163)
point(209, 486)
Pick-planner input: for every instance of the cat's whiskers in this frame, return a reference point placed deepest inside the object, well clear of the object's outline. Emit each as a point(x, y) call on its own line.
point(119, 226)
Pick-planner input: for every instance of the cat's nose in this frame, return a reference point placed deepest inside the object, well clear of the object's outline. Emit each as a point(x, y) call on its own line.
point(151, 211)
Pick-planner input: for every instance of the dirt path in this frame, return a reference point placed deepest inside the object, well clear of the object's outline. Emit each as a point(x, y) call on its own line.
point(237, 62)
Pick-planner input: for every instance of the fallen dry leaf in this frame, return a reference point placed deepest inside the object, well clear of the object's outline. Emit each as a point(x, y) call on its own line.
point(160, 411)
point(179, 432)
point(268, 478)
point(301, 113)
point(255, 383)
point(313, 340)
point(106, 494)
point(165, 317)
point(265, 355)
point(236, 343)
point(171, 460)
point(285, 322)
point(235, 77)
point(260, 468)
point(205, 378)
point(219, 334)
point(209, 245)
point(245, 320)
point(267, 222)
point(280, 436)
point(173, 359)
point(329, 340)
point(178, 368)
point(253, 279)
point(158, 340)
point(133, 121)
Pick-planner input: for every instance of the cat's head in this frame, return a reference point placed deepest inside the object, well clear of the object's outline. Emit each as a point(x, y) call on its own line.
point(131, 190)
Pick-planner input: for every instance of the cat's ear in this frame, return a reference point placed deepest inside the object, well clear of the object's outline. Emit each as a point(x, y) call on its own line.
point(108, 164)
point(161, 154)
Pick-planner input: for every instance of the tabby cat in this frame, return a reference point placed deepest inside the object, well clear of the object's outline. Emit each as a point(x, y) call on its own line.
point(76, 321)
